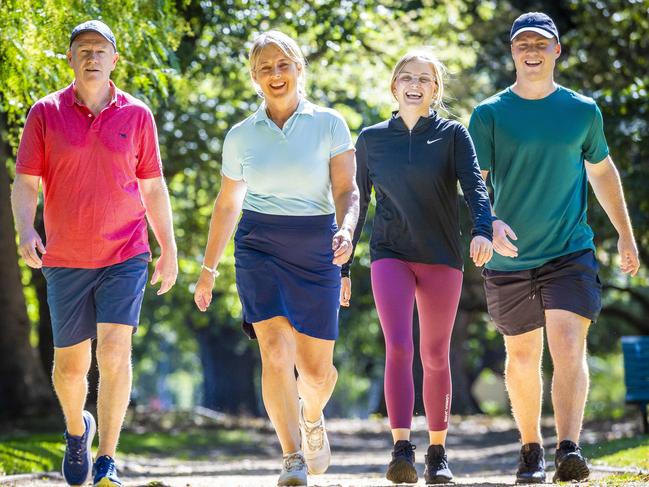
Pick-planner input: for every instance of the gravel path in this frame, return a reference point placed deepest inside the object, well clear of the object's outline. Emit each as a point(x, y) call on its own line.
point(481, 451)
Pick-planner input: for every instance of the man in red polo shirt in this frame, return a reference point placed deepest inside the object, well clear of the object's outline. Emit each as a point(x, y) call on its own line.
point(95, 149)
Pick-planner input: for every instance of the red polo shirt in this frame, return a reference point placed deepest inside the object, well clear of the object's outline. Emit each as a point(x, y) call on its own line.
point(94, 216)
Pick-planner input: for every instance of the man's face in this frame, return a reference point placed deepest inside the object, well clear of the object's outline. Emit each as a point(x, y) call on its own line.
point(92, 58)
point(534, 56)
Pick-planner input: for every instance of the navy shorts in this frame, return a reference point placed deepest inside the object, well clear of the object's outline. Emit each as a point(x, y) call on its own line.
point(81, 298)
point(283, 268)
point(517, 300)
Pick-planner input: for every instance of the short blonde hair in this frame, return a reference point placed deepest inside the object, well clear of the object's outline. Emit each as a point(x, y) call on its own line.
point(439, 71)
point(287, 45)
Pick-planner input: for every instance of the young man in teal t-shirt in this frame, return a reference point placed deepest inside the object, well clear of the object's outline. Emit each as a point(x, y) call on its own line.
point(542, 143)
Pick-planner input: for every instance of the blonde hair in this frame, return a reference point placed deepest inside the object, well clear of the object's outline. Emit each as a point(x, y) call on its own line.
point(287, 45)
point(439, 71)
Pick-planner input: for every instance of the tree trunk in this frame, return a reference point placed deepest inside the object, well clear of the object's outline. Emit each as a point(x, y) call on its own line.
point(229, 372)
point(463, 400)
point(45, 339)
point(24, 388)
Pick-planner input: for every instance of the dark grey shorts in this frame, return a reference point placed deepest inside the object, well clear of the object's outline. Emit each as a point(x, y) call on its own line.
point(517, 300)
point(81, 298)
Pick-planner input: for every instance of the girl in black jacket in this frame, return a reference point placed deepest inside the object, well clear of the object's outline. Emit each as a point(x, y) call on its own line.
point(414, 161)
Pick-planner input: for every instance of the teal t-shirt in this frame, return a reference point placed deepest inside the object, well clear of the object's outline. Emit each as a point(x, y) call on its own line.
point(287, 170)
point(535, 152)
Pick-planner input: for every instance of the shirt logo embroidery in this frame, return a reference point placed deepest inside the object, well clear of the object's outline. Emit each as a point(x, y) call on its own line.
point(123, 136)
point(431, 141)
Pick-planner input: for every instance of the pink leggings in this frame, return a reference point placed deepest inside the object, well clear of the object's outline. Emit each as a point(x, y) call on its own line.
point(396, 284)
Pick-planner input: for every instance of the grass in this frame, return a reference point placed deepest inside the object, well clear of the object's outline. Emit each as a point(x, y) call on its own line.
point(625, 452)
point(44, 452)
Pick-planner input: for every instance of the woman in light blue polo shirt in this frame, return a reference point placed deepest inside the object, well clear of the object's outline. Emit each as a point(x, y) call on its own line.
point(291, 167)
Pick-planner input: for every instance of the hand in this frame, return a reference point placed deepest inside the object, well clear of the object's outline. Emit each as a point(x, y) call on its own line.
point(166, 270)
point(345, 291)
point(203, 291)
point(342, 246)
point(501, 243)
point(481, 250)
point(628, 251)
point(30, 242)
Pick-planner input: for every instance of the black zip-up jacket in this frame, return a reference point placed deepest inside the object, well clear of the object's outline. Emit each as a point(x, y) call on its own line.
point(414, 174)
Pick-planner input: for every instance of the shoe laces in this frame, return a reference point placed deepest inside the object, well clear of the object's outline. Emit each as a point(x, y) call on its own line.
point(531, 457)
point(567, 447)
point(404, 448)
point(76, 448)
point(436, 458)
point(293, 462)
point(105, 467)
point(314, 435)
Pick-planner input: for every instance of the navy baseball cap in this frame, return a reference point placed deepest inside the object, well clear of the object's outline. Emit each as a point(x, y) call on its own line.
point(534, 22)
point(94, 26)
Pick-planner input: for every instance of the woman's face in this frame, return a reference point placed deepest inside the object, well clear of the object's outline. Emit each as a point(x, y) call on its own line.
point(276, 74)
point(415, 85)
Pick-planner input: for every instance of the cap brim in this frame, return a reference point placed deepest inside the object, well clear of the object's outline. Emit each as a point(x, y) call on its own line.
point(83, 31)
point(544, 33)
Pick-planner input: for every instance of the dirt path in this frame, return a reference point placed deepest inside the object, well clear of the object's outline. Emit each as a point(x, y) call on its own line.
point(481, 451)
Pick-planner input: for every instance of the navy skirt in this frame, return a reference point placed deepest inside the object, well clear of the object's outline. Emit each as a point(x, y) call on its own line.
point(283, 268)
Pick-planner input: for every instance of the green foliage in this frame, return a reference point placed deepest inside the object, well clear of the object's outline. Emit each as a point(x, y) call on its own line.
point(606, 395)
point(44, 452)
point(35, 37)
point(624, 452)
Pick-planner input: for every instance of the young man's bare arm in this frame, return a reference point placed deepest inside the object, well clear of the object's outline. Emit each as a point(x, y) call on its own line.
point(606, 183)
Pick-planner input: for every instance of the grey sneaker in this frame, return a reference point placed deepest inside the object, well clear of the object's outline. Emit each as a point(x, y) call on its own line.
point(315, 444)
point(293, 470)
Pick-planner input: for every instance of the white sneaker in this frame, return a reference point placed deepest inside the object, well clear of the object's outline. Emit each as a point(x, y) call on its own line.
point(293, 470)
point(315, 444)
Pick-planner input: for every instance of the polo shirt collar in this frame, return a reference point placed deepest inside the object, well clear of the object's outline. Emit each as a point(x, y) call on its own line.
point(303, 107)
point(117, 98)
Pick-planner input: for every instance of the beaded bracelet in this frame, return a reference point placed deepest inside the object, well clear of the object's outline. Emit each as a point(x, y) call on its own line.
point(211, 270)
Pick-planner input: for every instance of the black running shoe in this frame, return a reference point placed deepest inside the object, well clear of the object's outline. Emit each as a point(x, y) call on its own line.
point(437, 471)
point(402, 467)
point(570, 463)
point(531, 465)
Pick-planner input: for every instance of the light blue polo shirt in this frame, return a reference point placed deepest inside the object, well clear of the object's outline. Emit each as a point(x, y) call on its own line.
point(287, 170)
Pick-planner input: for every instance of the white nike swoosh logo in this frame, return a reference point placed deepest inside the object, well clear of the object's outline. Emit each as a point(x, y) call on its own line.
point(431, 141)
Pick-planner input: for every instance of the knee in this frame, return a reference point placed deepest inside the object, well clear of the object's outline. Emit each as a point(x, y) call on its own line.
point(113, 358)
point(569, 353)
point(400, 351)
point(320, 376)
point(69, 370)
point(277, 356)
point(434, 362)
point(522, 359)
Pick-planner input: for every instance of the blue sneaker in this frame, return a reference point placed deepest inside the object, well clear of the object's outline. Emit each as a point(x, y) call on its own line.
point(105, 473)
point(78, 457)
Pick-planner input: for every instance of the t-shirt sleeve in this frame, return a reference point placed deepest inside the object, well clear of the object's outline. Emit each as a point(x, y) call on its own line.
point(341, 138)
point(595, 148)
point(31, 151)
point(481, 132)
point(231, 166)
point(149, 163)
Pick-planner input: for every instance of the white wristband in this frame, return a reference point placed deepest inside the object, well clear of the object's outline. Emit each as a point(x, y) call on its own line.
point(211, 270)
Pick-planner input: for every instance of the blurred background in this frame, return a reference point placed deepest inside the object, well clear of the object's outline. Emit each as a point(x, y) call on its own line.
point(188, 60)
